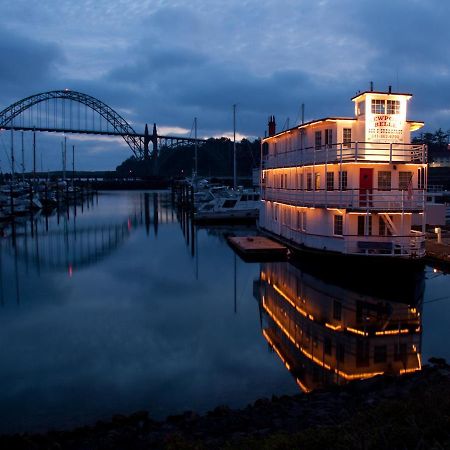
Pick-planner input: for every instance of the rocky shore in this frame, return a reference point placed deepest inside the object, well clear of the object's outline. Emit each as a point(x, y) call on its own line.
point(412, 411)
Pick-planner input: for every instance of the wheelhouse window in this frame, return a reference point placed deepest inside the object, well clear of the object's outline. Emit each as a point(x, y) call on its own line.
point(404, 180)
point(338, 225)
point(330, 181)
point(393, 107)
point(361, 108)
point(347, 137)
point(378, 107)
point(318, 139)
point(384, 181)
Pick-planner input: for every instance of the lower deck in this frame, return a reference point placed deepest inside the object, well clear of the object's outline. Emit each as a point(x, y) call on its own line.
point(343, 231)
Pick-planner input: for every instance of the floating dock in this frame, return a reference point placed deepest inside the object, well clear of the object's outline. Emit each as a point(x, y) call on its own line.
point(438, 254)
point(258, 248)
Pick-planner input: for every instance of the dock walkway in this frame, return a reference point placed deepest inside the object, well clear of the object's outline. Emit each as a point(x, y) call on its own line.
point(258, 247)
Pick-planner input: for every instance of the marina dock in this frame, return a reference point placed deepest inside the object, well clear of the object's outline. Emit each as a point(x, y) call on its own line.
point(438, 253)
point(258, 248)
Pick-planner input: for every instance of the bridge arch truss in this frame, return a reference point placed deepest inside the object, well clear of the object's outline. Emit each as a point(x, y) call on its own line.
point(120, 126)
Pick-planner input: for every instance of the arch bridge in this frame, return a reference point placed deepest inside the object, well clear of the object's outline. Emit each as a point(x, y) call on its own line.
point(67, 111)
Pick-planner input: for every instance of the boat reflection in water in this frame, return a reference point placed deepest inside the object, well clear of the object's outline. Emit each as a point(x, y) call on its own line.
point(326, 333)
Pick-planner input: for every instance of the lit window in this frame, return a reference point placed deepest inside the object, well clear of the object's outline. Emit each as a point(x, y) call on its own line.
point(378, 107)
point(338, 222)
point(393, 107)
point(384, 181)
point(347, 137)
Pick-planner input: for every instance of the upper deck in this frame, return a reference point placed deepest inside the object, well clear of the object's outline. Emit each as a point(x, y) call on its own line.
point(379, 132)
point(338, 153)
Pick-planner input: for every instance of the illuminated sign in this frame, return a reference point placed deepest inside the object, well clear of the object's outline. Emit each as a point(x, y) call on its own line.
point(384, 128)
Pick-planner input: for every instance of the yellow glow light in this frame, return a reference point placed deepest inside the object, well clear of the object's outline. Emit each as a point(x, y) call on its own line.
point(355, 331)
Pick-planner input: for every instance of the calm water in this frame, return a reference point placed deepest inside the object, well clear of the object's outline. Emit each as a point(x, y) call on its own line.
point(123, 306)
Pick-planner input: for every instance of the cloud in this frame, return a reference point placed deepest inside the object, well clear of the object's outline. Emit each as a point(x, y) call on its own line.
point(168, 62)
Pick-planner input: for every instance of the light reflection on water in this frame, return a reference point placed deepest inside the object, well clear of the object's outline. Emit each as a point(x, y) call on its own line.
point(125, 306)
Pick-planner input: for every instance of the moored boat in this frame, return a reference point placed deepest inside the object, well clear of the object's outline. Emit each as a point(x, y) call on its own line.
point(348, 186)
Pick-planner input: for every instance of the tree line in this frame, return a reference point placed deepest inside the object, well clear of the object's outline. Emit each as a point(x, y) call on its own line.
point(214, 159)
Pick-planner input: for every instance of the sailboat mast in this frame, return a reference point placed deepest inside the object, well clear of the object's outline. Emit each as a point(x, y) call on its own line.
point(34, 154)
point(234, 147)
point(23, 161)
point(195, 146)
point(12, 155)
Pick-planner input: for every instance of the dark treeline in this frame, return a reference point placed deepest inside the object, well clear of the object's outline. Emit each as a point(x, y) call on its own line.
point(215, 159)
point(436, 142)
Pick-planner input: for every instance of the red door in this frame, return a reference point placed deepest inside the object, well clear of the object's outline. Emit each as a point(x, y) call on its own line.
point(365, 187)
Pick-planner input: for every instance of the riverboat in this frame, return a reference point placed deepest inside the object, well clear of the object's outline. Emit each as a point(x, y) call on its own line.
point(348, 185)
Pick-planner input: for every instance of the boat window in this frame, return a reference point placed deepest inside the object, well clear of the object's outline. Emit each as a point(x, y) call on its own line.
point(328, 137)
point(330, 181)
point(379, 354)
point(318, 139)
point(338, 225)
point(378, 107)
point(343, 180)
point(347, 137)
point(256, 197)
point(244, 198)
point(405, 181)
point(361, 108)
point(229, 203)
point(362, 225)
point(393, 107)
point(384, 181)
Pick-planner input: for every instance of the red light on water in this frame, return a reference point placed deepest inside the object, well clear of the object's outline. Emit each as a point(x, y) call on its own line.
point(70, 271)
point(129, 224)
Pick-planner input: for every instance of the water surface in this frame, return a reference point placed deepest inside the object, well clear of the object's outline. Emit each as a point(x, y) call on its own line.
point(121, 305)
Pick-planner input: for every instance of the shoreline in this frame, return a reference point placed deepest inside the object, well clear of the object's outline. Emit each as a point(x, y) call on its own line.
point(412, 408)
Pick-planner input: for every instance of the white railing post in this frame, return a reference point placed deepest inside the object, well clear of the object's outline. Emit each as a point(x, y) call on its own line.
point(390, 152)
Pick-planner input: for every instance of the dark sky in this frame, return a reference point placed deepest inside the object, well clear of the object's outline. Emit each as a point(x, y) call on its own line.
point(170, 61)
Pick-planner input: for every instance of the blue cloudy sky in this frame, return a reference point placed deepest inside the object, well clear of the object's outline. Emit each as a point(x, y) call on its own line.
point(170, 61)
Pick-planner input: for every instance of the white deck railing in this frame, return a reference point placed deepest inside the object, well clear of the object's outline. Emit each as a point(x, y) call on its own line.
point(371, 200)
point(350, 152)
point(412, 245)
